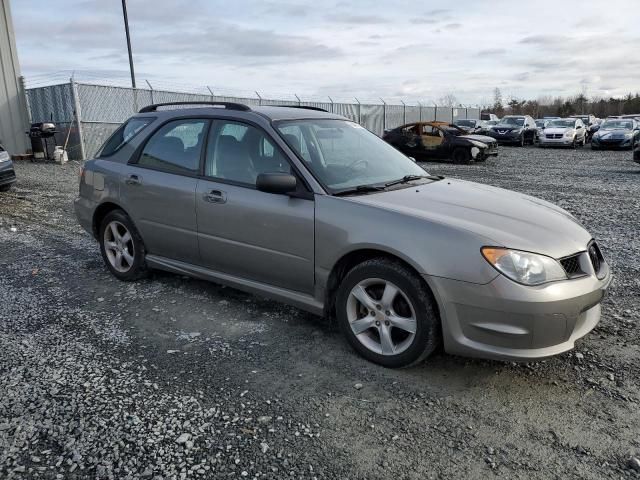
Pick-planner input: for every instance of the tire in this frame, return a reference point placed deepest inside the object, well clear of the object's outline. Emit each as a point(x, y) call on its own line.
point(412, 306)
point(130, 264)
point(522, 141)
point(5, 188)
point(461, 156)
point(573, 144)
point(593, 147)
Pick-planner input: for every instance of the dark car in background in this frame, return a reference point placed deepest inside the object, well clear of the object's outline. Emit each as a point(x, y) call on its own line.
point(7, 173)
point(423, 140)
point(515, 129)
point(617, 133)
point(470, 125)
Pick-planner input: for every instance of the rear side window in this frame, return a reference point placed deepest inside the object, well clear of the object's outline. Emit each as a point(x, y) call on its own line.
point(176, 147)
point(124, 134)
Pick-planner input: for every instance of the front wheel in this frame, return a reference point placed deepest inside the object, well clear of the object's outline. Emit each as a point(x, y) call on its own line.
point(387, 314)
point(121, 246)
point(461, 156)
point(5, 188)
point(522, 141)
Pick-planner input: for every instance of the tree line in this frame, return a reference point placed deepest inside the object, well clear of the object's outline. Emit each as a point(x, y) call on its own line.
point(549, 106)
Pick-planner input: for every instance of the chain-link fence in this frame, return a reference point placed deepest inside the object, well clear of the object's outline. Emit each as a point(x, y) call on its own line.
point(89, 113)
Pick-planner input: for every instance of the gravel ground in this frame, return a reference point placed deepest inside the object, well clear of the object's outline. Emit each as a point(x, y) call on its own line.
point(177, 378)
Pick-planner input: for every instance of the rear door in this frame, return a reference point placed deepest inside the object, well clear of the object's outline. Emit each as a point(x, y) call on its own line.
point(158, 189)
point(254, 235)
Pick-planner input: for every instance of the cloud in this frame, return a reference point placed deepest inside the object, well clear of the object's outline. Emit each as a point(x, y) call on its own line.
point(423, 20)
point(453, 26)
point(357, 19)
point(492, 51)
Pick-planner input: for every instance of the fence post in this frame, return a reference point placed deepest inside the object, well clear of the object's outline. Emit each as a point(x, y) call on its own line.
point(404, 112)
point(331, 100)
point(211, 92)
point(435, 112)
point(151, 89)
point(259, 99)
point(299, 101)
point(78, 115)
point(27, 102)
point(419, 112)
point(384, 114)
point(359, 111)
point(466, 112)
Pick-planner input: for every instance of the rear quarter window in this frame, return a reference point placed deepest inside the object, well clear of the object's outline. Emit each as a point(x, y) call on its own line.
point(124, 135)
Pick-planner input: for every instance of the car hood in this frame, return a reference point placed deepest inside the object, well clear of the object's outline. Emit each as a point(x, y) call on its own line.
point(502, 217)
point(506, 127)
point(616, 131)
point(557, 130)
point(479, 138)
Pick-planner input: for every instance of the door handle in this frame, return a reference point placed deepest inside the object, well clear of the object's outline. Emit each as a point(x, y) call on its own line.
point(134, 180)
point(215, 196)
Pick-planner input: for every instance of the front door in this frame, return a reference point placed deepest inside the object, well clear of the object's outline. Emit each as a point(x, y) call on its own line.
point(254, 235)
point(158, 189)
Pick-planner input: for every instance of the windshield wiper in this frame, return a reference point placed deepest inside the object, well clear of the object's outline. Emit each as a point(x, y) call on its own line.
point(361, 189)
point(410, 178)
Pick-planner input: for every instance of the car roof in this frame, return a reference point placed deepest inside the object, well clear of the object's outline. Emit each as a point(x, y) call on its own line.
point(270, 112)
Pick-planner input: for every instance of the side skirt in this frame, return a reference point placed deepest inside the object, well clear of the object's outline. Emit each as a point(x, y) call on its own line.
point(297, 299)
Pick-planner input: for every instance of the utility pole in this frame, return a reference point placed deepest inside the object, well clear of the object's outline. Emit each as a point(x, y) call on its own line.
point(126, 29)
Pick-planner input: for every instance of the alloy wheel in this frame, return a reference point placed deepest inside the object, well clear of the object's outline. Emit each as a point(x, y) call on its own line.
point(381, 316)
point(118, 246)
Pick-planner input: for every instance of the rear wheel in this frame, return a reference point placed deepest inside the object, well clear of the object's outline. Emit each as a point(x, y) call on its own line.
point(121, 246)
point(5, 188)
point(461, 155)
point(387, 314)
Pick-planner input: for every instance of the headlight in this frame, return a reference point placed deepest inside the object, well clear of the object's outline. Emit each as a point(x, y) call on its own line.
point(524, 267)
point(628, 135)
point(568, 133)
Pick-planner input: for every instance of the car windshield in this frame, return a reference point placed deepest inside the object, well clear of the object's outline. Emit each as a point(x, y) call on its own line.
point(465, 123)
point(517, 121)
point(561, 124)
point(617, 125)
point(492, 122)
point(343, 155)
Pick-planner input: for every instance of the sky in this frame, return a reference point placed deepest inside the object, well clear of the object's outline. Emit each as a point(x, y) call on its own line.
point(366, 49)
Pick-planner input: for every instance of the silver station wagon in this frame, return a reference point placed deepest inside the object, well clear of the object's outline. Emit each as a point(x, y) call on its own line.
point(311, 209)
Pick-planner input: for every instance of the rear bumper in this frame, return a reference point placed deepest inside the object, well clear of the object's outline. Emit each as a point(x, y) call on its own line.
point(504, 320)
point(84, 213)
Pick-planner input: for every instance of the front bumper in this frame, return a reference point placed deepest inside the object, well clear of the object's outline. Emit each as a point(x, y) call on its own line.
point(543, 141)
point(506, 138)
point(7, 174)
point(611, 143)
point(504, 320)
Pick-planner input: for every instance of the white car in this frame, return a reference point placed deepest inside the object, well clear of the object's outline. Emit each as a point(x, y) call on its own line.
point(563, 132)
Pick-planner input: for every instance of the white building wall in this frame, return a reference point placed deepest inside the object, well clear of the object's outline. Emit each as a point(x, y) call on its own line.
point(13, 107)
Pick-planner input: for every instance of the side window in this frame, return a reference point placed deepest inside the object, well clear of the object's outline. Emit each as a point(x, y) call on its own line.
point(176, 147)
point(124, 134)
point(240, 152)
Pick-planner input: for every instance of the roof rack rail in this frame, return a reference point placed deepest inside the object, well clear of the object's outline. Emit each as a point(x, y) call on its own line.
point(302, 107)
point(227, 105)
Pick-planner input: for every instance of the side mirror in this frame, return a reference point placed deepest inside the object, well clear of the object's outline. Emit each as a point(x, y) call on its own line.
point(279, 183)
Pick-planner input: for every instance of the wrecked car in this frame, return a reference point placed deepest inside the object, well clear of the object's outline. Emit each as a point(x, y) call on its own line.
point(441, 140)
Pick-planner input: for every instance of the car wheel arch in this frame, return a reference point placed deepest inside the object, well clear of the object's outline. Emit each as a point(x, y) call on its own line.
point(101, 211)
point(355, 257)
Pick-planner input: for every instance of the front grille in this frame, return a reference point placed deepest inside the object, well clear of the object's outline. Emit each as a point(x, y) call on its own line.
point(595, 255)
point(554, 136)
point(572, 266)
